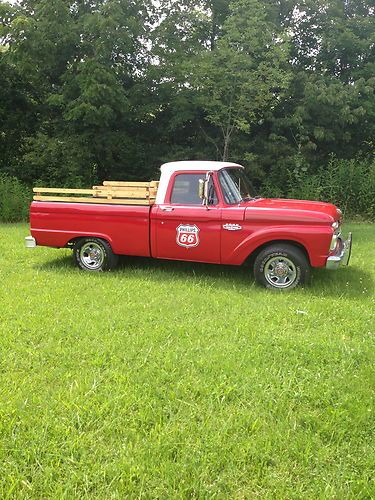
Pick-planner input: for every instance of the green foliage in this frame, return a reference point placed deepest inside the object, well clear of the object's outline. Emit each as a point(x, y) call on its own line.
point(60, 160)
point(349, 184)
point(110, 89)
point(183, 380)
point(17, 112)
point(15, 199)
point(330, 105)
point(243, 76)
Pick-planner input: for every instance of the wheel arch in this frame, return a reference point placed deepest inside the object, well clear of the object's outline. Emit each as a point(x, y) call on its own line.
point(73, 241)
point(250, 259)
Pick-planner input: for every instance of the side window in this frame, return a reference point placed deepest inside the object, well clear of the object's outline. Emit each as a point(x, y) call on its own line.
point(185, 190)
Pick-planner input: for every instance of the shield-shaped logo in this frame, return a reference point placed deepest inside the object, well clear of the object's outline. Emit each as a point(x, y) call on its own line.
point(187, 235)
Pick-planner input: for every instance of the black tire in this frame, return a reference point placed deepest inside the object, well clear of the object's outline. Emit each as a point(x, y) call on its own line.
point(94, 255)
point(281, 267)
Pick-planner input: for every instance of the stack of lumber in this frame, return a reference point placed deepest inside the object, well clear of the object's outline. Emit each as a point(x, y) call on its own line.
point(111, 192)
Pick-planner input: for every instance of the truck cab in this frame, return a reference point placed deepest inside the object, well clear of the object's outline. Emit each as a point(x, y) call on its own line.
point(203, 211)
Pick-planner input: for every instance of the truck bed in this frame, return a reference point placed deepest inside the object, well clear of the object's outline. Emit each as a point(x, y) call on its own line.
point(125, 227)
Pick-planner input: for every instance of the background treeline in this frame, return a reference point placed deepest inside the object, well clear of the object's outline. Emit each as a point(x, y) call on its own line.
point(110, 89)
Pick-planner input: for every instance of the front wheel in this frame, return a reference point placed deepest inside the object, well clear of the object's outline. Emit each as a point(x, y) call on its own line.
point(94, 254)
point(281, 266)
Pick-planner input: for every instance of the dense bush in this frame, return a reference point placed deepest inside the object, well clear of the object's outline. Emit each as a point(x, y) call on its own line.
point(15, 199)
point(349, 184)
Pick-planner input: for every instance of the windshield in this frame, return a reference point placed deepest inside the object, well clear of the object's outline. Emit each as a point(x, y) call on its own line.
point(235, 185)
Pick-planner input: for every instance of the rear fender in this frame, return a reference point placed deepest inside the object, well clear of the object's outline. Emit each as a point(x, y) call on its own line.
point(61, 239)
point(104, 237)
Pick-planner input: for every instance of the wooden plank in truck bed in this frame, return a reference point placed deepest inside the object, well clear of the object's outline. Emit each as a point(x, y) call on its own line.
point(63, 190)
point(111, 192)
point(76, 199)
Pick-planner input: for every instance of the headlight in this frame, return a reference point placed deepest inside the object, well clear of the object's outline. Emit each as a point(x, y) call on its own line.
point(335, 225)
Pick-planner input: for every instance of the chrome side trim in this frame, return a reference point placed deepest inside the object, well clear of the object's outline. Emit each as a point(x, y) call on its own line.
point(342, 256)
point(30, 242)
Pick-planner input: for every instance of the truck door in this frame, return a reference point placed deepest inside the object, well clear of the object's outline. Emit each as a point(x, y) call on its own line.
point(184, 229)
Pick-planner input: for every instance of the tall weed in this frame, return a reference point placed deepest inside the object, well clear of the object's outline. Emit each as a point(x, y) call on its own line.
point(15, 199)
point(349, 184)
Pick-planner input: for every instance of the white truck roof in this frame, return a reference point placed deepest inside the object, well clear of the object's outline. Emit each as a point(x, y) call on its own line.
point(173, 166)
point(169, 168)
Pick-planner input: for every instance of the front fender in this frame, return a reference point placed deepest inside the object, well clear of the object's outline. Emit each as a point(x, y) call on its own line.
point(314, 239)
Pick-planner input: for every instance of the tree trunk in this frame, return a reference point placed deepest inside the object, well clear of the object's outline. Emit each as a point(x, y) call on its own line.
point(226, 147)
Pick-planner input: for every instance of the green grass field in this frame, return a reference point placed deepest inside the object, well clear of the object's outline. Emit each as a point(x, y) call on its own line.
point(177, 380)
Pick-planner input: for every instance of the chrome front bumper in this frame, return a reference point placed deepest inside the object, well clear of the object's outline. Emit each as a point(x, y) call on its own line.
point(30, 242)
point(341, 256)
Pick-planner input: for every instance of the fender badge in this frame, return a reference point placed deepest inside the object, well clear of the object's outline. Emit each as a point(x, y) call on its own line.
point(232, 227)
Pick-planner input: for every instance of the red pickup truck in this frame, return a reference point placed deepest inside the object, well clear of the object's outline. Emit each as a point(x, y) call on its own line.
point(201, 211)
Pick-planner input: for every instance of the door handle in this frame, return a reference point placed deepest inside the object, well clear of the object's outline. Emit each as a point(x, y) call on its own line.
point(167, 209)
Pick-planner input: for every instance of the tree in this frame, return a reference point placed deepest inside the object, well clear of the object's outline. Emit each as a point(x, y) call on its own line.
point(17, 97)
point(244, 75)
point(329, 106)
point(83, 60)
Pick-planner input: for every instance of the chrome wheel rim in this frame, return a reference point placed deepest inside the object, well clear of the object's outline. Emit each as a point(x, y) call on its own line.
point(280, 272)
point(91, 255)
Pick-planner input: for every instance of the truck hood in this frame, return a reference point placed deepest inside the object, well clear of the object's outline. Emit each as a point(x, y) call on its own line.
point(302, 210)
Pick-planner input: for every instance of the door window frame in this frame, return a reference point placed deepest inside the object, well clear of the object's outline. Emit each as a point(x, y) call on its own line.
point(195, 172)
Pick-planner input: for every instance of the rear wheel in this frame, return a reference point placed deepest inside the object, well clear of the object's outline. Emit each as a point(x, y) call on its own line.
point(281, 267)
point(94, 254)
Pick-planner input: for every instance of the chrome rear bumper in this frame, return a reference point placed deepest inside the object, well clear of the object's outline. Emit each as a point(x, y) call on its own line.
point(342, 255)
point(30, 242)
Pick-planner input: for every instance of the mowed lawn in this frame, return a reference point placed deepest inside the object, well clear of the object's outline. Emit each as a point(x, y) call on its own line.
point(177, 380)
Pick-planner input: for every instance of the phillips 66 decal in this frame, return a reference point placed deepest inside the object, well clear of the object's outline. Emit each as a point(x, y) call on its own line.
point(187, 235)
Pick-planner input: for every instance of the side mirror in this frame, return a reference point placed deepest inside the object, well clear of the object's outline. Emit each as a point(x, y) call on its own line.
point(202, 188)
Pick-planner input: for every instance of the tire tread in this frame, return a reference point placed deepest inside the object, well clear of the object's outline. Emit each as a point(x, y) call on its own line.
point(290, 251)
